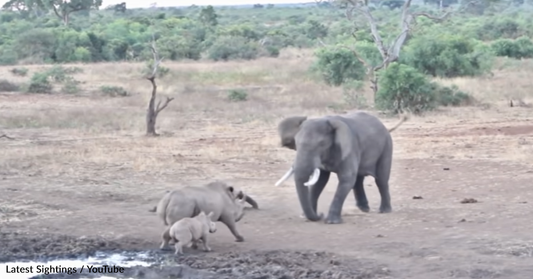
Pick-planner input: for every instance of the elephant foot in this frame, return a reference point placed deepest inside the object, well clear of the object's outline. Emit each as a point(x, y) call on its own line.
point(333, 220)
point(364, 208)
point(385, 209)
point(239, 239)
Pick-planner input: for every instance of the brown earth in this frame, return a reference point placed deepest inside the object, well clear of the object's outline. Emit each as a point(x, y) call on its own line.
point(66, 190)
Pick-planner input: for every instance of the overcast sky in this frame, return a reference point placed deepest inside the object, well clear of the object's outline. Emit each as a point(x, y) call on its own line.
point(167, 3)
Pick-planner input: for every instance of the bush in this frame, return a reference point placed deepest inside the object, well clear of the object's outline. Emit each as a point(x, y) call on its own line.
point(21, 72)
point(337, 66)
point(6, 86)
point(451, 96)
point(237, 95)
point(402, 87)
point(70, 86)
point(233, 47)
point(39, 83)
point(447, 55)
point(519, 48)
point(113, 91)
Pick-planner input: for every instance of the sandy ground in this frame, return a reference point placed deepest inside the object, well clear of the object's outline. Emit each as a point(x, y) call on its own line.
point(79, 176)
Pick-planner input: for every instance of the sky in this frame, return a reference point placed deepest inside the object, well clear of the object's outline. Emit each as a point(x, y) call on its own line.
point(167, 3)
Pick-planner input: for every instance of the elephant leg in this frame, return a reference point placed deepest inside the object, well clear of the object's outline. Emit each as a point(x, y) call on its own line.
point(360, 195)
point(317, 189)
point(382, 181)
point(346, 184)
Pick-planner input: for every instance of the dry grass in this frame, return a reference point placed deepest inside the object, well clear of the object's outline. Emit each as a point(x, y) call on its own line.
point(203, 126)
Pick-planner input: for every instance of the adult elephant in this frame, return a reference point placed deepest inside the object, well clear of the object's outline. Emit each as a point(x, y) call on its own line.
point(352, 145)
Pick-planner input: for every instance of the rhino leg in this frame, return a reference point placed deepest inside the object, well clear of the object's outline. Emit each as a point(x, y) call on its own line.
point(179, 248)
point(165, 238)
point(229, 221)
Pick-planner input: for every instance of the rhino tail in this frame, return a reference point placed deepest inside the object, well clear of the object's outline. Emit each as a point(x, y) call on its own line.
point(161, 208)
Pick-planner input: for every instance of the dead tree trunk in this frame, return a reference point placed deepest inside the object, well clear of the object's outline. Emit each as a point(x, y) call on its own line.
point(153, 110)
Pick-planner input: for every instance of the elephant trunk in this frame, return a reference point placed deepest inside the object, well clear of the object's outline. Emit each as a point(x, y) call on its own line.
point(304, 168)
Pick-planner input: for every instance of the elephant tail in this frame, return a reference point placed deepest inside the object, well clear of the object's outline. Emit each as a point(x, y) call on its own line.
point(404, 118)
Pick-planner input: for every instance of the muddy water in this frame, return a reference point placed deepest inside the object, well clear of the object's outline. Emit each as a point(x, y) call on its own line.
point(249, 265)
point(98, 263)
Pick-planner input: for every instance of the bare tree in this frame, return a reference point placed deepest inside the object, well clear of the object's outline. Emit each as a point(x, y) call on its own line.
point(390, 53)
point(153, 110)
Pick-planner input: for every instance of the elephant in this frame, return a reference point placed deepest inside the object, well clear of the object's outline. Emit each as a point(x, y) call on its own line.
point(352, 145)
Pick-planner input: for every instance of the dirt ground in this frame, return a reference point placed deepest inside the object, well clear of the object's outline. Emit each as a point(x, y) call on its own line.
point(79, 176)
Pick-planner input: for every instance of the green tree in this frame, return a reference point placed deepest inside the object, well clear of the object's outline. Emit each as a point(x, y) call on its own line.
point(64, 8)
point(208, 16)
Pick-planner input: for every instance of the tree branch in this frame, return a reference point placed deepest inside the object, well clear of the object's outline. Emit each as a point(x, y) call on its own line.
point(7, 137)
point(157, 60)
point(165, 104)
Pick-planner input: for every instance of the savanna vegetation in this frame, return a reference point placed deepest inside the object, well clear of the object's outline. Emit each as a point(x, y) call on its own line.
point(396, 48)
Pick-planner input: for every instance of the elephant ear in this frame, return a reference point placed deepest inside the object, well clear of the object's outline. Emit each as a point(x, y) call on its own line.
point(288, 128)
point(343, 136)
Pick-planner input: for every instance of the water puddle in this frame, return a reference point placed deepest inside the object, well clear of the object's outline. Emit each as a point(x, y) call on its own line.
point(97, 264)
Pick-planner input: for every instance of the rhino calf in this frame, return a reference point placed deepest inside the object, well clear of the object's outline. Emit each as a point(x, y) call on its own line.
point(240, 204)
point(189, 231)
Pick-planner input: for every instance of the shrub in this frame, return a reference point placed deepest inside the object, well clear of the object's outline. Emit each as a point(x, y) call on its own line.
point(60, 74)
point(233, 47)
point(451, 96)
point(113, 91)
point(21, 72)
point(70, 86)
point(237, 95)
point(519, 48)
point(401, 87)
point(447, 56)
point(337, 66)
point(6, 86)
point(272, 51)
point(39, 83)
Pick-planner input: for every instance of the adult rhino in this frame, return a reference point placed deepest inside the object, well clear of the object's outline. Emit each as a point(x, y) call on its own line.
point(217, 197)
point(352, 145)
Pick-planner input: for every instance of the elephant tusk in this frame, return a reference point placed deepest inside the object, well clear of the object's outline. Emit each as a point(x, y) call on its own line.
point(314, 178)
point(285, 177)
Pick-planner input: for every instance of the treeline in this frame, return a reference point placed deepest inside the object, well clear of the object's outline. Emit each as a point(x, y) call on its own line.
point(463, 44)
point(37, 34)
